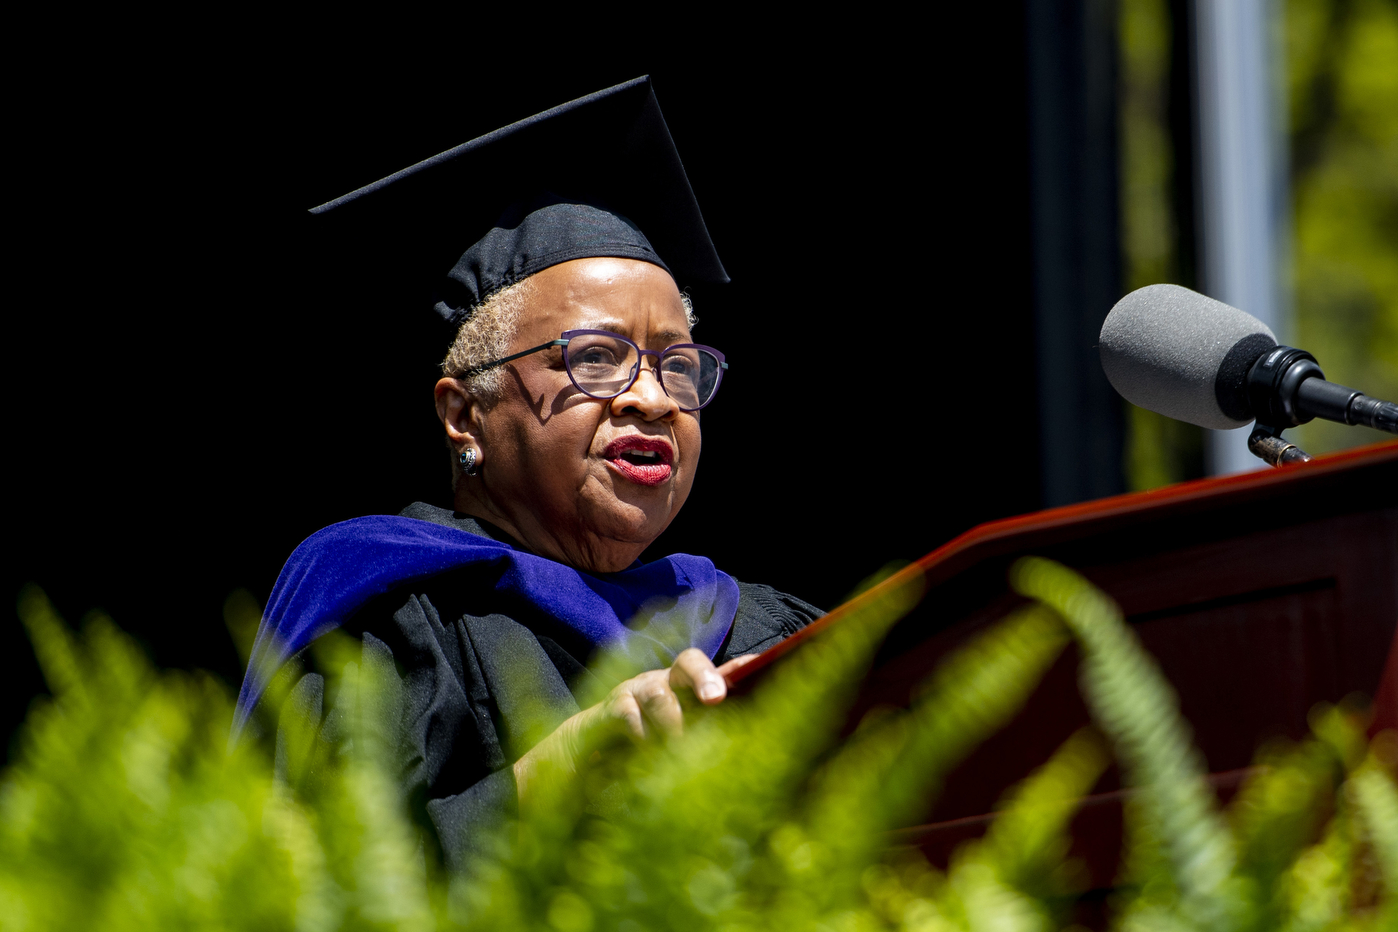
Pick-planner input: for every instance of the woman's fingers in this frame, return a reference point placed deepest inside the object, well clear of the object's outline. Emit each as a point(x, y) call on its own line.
point(650, 703)
point(641, 707)
point(659, 702)
point(694, 671)
point(644, 705)
point(626, 710)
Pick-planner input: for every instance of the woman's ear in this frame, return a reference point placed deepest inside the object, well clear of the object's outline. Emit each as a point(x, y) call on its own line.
point(459, 411)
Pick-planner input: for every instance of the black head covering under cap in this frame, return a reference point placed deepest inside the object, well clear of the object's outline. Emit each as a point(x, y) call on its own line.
point(580, 180)
point(532, 236)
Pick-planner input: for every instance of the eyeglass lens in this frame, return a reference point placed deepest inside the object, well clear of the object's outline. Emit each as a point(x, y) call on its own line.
point(603, 366)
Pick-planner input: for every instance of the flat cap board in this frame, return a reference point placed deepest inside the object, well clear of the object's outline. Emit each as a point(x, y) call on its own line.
point(611, 148)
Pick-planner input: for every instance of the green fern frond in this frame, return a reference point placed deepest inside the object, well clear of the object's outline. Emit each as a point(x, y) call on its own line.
point(1278, 809)
point(1315, 891)
point(1017, 876)
point(1375, 800)
point(1029, 839)
point(53, 645)
point(1133, 704)
point(887, 777)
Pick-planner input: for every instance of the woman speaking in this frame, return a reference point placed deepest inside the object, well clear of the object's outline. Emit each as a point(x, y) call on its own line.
point(571, 403)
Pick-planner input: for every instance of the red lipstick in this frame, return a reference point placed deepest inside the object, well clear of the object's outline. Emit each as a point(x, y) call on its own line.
point(644, 460)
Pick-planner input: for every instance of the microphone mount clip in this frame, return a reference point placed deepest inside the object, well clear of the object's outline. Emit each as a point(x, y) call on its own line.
point(1272, 386)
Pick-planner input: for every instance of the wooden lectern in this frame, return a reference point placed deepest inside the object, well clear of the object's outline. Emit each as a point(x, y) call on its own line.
point(1259, 595)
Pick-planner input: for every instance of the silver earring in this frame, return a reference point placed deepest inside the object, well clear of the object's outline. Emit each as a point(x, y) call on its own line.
point(468, 461)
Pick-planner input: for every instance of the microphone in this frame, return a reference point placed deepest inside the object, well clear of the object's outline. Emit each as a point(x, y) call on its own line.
point(1195, 359)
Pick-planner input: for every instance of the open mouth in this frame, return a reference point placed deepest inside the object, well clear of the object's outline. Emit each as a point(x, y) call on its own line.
point(645, 460)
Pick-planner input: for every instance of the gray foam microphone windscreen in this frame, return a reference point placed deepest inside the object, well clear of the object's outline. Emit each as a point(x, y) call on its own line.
point(1183, 355)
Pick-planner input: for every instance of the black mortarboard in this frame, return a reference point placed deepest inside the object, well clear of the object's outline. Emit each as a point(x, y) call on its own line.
point(598, 176)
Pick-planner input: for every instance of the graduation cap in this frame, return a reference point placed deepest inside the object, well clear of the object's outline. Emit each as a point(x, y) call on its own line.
point(598, 176)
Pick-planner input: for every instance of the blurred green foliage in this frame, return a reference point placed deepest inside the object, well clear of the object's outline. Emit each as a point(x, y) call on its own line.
point(126, 808)
point(1341, 71)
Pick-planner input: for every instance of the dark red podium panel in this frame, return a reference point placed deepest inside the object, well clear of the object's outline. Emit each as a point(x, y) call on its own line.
point(1259, 595)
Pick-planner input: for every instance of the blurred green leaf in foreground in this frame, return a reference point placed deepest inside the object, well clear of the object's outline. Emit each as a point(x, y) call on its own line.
point(126, 808)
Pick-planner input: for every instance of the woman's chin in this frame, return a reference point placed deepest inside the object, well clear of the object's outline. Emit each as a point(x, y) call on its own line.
point(627, 524)
point(632, 527)
point(620, 519)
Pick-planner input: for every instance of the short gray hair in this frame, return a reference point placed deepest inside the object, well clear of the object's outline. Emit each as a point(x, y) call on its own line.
point(485, 336)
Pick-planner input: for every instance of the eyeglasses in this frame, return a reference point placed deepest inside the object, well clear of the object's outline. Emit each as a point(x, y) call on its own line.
point(602, 364)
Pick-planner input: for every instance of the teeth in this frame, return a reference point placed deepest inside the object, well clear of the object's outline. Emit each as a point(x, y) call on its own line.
point(642, 456)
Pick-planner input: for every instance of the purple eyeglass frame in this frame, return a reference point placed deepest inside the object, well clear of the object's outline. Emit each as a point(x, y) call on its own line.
point(568, 335)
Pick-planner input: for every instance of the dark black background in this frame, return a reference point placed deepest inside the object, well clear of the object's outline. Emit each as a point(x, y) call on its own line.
point(187, 401)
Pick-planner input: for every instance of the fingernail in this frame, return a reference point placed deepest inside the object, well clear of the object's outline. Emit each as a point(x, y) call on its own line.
point(711, 688)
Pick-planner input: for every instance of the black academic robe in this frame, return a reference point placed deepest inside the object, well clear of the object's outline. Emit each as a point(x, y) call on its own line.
point(459, 710)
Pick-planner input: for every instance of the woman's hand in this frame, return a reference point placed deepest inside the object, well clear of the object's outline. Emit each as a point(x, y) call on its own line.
point(644, 707)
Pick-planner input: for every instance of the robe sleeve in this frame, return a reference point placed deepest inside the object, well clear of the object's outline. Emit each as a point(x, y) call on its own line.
point(765, 617)
point(466, 695)
point(478, 690)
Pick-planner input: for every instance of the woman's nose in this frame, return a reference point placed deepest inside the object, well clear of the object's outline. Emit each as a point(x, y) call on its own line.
point(646, 398)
